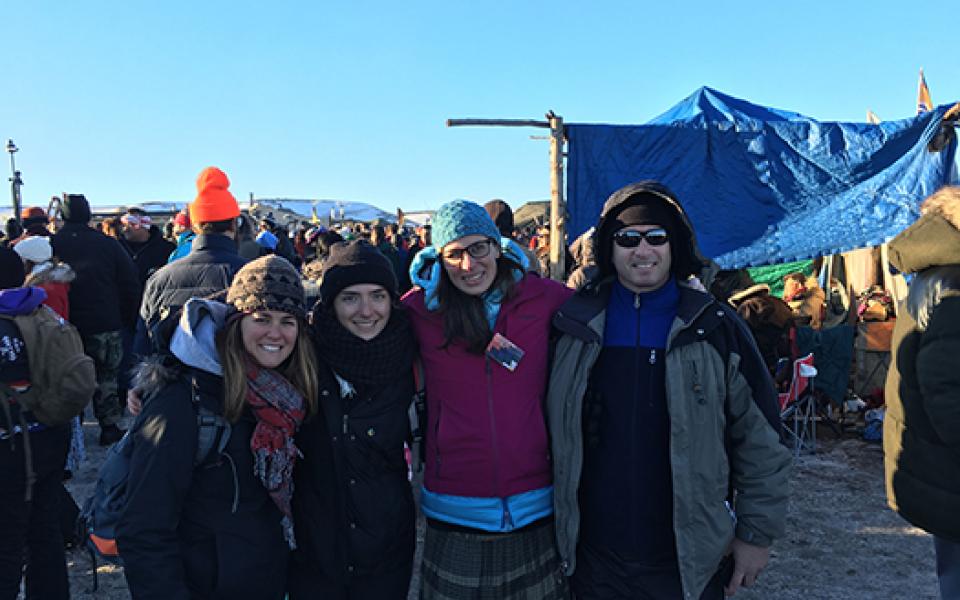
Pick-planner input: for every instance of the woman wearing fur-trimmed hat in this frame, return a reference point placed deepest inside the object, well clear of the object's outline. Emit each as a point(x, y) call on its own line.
point(356, 520)
point(483, 324)
point(221, 525)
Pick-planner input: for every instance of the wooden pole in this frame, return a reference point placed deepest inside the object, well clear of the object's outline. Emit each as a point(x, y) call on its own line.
point(498, 123)
point(557, 208)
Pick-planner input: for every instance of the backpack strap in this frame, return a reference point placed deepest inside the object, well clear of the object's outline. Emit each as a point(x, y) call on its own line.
point(417, 415)
point(213, 433)
point(213, 430)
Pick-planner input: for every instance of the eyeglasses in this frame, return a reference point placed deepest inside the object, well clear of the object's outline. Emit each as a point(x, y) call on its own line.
point(630, 238)
point(476, 250)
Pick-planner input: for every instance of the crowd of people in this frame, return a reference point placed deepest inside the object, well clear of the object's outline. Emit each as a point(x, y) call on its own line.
point(614, 437)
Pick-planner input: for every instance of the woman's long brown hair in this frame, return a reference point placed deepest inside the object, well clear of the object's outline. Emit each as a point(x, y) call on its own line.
point(300, 369)
point(464, 316)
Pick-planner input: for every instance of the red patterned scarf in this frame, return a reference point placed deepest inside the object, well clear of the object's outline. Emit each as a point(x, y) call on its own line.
point(279, 409)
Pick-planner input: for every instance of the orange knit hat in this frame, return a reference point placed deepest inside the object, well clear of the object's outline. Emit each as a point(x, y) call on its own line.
point(214, 202)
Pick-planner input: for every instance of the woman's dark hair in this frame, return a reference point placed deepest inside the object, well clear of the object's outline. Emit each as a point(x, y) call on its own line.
point(464, 316)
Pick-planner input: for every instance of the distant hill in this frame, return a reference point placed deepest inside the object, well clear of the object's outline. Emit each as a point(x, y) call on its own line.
point(352, 211)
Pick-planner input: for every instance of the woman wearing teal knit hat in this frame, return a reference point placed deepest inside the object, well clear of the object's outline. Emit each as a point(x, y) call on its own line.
point(482, 323)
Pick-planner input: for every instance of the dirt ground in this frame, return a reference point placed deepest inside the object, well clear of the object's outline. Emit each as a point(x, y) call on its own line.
point(842, 542)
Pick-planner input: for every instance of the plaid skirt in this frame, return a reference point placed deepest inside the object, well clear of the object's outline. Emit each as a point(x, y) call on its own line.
point(522, 565)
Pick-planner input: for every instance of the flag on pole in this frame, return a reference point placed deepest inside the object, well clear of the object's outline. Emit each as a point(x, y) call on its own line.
point(872, 117)
point(924, 103)
point(400, 216)
point(313, 215)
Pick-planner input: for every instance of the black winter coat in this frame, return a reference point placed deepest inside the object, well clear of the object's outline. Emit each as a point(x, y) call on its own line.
point(923, 398)
point(104, 295)
point(212, 532)
point(353, 505)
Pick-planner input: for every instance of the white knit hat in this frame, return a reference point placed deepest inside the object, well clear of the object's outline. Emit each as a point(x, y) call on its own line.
point(35, 248)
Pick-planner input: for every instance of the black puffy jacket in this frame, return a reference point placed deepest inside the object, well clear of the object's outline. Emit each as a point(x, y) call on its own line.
point(208, 269)
point(922, 426)
point(353, 504)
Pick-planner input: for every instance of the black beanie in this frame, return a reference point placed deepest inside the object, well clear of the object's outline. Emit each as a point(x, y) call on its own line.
point(268, 283)
point(11, 269)
point(76, 209)
point(502, 216)
point(350, 263)
point(648, 203)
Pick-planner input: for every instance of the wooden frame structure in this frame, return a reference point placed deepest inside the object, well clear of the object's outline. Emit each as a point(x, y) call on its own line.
point(557, 206)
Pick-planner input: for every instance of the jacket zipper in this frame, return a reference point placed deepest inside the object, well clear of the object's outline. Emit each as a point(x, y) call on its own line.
point(507, 519)
point(633, 416)
point(436, 438)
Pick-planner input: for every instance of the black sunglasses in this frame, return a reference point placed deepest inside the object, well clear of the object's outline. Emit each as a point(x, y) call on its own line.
point(629, 238)
point(475, 250)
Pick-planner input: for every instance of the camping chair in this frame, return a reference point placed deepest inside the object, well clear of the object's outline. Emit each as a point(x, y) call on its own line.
point(798, 407)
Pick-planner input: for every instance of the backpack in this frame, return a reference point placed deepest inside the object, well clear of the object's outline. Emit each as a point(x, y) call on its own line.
point(62, 378)
point(96, 525)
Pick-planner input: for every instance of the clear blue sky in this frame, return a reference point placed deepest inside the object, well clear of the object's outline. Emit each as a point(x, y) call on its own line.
point(127, 101)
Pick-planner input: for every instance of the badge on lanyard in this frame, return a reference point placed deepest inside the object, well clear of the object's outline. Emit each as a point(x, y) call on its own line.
point(504, 352)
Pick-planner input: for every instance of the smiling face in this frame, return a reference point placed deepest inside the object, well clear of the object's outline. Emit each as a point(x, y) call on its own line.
point(363, 309)
point(471, 263)
point(643, 268)
point(269, 336)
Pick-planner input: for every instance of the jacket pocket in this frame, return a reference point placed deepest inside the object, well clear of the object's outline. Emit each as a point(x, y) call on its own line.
point(700, 405)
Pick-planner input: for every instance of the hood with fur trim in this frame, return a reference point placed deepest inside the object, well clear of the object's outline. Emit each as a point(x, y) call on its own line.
point(934, 239)
point(50, 272)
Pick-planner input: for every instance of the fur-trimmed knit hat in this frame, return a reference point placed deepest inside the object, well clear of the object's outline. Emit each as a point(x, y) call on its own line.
point(214, 202)
point(268, 283)
point(351, 263)
point(460, 218)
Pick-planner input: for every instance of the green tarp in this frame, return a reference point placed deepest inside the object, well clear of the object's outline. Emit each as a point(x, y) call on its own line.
point(772, 275)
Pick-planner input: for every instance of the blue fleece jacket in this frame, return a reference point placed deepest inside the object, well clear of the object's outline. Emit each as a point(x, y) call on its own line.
point(626, 490)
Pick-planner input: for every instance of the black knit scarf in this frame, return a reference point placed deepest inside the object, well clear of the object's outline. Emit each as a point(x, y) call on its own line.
point(366, 362)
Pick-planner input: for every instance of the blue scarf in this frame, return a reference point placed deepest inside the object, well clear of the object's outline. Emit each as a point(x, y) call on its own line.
point(425, 272)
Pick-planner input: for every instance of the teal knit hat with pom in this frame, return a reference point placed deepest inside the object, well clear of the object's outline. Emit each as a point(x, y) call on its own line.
point(460, 218)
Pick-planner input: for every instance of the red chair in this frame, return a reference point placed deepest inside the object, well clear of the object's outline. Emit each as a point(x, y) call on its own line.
point(798, 407)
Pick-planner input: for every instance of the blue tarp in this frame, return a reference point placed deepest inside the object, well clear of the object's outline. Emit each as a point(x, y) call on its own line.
point(763, 185)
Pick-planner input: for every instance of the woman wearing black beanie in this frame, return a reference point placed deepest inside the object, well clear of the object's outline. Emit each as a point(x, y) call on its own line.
point(354, 506)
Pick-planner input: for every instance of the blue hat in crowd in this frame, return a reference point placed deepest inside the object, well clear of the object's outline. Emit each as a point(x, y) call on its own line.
point(267, 240)
point(460, 218)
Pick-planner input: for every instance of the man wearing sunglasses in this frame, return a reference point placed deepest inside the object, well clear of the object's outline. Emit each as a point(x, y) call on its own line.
point(670, 481)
